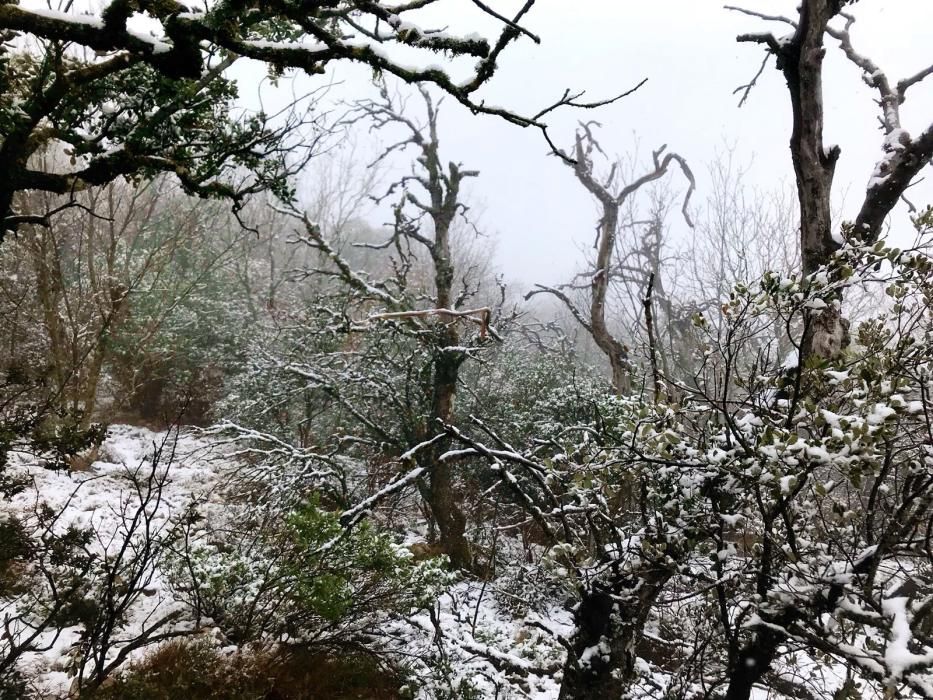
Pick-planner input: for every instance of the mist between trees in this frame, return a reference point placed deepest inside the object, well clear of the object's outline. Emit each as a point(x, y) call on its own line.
point(273, 425)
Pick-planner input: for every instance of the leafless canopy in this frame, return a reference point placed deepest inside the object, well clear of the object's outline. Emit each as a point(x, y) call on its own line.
point(611, 195)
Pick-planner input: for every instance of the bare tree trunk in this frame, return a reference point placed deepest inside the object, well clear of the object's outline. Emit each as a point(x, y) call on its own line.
point(451, 521)
point(615, 351)
point(48, 295)
point(825, 332)
point(752, 663)
point(800, 59)
point(610, 202)
point(441, 490)
point(814, 166)
point(438, 201)
point(652, 349)
point(604, 661)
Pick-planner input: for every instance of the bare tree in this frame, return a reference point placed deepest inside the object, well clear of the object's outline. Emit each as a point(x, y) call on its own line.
point(611, 197)
point(799, 56)
point(433, 313)
point(441, 186)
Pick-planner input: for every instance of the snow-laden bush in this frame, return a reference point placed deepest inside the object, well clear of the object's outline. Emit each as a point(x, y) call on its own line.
point(74, 570)
point(783, 507)
point(305, 581)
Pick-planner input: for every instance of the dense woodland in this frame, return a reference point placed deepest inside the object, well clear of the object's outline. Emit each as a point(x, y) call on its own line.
point(256, 442)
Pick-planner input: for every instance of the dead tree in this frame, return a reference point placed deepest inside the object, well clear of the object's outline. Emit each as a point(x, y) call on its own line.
point(799, 57)
point(611, 199)
point(428, 205)
point(442, 206)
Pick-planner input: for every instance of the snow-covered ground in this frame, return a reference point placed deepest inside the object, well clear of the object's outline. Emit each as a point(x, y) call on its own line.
point(496, 639)
point(95, 498)
point(481, 635)
point(485, 646)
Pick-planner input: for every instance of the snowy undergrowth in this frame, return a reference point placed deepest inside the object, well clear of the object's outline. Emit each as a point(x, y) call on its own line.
point(479, 639)
point(503, 638)
point(101, 499)
point(472, 645)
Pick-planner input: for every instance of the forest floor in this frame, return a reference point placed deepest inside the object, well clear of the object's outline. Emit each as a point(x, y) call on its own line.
point(489, 636)
point(502, 637)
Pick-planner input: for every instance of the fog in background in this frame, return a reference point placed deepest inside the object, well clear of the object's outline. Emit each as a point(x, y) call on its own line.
point(529, 202)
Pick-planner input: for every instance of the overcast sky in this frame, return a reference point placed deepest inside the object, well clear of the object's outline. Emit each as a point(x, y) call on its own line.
point(531, 203)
